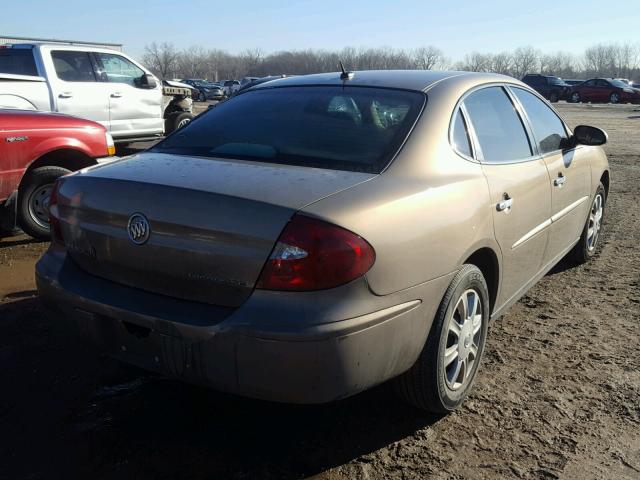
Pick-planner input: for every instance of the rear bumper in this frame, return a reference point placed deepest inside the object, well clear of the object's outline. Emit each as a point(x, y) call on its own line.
point(218, 347)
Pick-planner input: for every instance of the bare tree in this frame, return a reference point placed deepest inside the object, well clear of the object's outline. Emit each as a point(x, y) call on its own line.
point(161, 59)
point(525, 60)
point(427, 58)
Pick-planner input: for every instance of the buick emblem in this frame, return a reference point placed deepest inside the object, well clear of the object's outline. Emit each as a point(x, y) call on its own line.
point(138, 228)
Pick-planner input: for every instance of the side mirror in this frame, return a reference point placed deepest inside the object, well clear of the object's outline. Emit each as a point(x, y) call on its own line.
point(147, 81)
point(586, 135)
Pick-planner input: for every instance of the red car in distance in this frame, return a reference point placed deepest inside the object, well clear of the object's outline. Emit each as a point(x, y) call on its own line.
point(607, 90)
point(35, 149)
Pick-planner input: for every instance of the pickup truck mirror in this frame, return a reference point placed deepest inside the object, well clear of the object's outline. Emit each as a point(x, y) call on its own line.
point(147, 81)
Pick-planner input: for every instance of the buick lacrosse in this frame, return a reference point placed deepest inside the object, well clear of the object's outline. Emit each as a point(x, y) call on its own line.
point(317, 235)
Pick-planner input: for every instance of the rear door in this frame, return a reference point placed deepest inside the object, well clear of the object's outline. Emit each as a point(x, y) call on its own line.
point(133, 110)
point(518, 184)
point(569, 171)
point(75, 88)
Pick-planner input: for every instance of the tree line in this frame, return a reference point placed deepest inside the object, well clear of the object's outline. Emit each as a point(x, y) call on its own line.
point(602, 60)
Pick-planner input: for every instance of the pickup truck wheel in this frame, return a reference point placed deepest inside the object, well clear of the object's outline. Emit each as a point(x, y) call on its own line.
point(33, 200)
point(201, 97)
point(589, 241)
point(443, 375)
point(177, 121)
point(553, 98)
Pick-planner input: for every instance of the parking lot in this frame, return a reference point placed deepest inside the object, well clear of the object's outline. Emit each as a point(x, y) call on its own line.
point(557, 397)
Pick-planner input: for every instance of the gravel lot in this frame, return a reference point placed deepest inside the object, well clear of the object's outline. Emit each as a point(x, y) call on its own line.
point(558, 395)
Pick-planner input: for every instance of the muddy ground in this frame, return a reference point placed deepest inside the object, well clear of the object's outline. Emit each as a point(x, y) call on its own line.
point(558, 395)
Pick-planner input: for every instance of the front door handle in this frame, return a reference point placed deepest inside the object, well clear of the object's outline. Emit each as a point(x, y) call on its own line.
point(559, 182)
point(116, 95)
point(65, 95)
point(505, 205)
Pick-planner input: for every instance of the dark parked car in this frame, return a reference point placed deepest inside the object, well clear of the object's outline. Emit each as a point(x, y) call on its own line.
point(204, 90)
point(551, 88)
point(604, 90)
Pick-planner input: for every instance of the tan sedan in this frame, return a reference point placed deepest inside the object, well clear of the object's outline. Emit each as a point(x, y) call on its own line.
point(318, 235)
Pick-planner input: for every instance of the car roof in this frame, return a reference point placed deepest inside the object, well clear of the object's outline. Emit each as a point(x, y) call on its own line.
point(419, 80)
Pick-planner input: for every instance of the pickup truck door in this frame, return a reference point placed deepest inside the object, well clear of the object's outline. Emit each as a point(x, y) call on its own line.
point(74, 85)
point(133, 110)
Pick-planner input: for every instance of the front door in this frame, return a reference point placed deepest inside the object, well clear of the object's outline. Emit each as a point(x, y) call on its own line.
point(569, 172)
point(133, 110)
point(518, 183)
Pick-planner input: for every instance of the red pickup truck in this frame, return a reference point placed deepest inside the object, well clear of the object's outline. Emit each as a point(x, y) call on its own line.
point(35, 149)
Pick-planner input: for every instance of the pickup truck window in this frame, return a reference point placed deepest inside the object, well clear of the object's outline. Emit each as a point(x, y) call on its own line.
point(73, 66)
point(17, 61)
point(117, 69)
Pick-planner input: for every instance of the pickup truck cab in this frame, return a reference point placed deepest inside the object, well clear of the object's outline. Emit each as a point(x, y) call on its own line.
point(98, 84)
point(35, 149)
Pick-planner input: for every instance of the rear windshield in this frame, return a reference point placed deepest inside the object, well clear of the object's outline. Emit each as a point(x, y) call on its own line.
point(340, 128)
point(17, 61)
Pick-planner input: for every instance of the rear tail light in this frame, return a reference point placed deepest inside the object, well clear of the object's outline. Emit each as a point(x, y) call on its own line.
point(54, 216)
point(315, 255)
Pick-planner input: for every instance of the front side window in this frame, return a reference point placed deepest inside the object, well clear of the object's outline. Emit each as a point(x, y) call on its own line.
point(340, 128)
point(497, 125)
point(547, 126)
point(73, 66)
point(460, 135)
point(117, 69)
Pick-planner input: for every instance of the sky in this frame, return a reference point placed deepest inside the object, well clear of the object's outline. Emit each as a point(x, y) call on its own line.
point(456, 27)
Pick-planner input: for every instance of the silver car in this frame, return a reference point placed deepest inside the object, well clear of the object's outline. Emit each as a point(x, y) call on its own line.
point(316, 236)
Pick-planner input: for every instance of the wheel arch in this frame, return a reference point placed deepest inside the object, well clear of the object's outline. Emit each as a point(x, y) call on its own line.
point(68, 158)
point(605, 181)
point(486, 259)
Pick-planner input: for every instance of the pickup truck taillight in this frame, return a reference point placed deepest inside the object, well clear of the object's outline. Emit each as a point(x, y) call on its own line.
point(315, 255)
point(54, 216)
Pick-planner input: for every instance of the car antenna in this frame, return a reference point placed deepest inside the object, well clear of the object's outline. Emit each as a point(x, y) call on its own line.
point(345, 75)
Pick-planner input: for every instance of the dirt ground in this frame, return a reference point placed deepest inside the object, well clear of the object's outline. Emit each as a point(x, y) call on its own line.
point(558, 395)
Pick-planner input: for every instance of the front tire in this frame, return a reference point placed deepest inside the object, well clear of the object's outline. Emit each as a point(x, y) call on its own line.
point(589, 242)
point(177, 121)
point(444, 373)
point(33, 200)
point(614, 97)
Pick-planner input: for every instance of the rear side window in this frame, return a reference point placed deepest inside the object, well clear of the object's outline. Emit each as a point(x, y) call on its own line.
point(340, 128)
point(460, 135)
point(17, 61)
point(547, 126)
point(72, 66)
point(497, 125)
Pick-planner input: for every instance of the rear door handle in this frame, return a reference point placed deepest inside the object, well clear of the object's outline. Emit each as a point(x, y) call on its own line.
point(65, 95)
point(505, 205)
point(559, 182)
point(116, 95)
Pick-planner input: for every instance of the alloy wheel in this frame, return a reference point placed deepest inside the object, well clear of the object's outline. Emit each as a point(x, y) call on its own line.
point(595, 222)
point(464, 337)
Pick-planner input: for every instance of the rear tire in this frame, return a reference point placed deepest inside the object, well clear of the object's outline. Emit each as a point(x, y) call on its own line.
point(33, 200)
point(575, 97)
point(553, 98)
point(435, 382)
point(589, 242)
